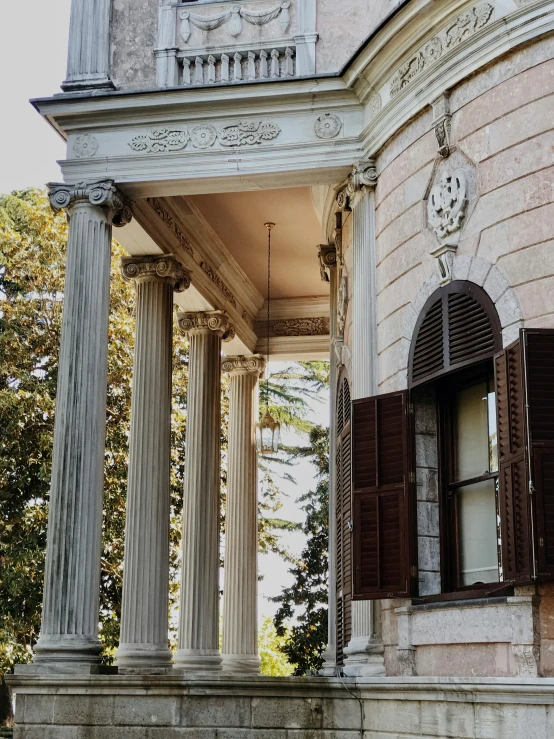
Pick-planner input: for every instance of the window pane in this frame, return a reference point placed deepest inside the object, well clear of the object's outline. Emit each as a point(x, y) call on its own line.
point(493, 439)
point(478, 533)
point(471, 432)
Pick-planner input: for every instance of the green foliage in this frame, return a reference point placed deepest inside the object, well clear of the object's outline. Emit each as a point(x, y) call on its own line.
point(302, 616)
point(272, 659)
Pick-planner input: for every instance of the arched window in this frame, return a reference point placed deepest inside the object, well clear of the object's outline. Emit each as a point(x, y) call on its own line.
point(458, 326)
point(343, 514)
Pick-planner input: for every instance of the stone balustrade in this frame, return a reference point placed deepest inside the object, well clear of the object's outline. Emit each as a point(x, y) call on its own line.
point(238, 65)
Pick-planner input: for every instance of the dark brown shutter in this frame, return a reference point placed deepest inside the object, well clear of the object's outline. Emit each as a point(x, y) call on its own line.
point(458, 326)
point(525, 421)
point(343, 515)
point(538, 353)
point(383, 500)
point(514, 503)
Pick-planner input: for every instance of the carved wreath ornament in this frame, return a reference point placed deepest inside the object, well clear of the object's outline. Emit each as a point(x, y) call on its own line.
point(203, 136)
point(235, 14)
point(447, 204)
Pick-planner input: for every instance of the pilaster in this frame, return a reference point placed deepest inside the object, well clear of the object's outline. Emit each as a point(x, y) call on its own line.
point(144, 614)
point(364, 653)
point(88, 58)
point(69, 630)
point(240, 593)
point(198, 647)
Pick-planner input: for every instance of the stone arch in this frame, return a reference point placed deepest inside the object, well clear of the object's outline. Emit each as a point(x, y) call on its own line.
point(481, 272)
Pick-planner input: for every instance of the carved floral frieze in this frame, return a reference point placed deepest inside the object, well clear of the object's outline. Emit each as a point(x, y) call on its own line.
point(463, 26)
point(301, 327)
point(85, 146)
point(327, 126)
point(204, 136)
point(218, 282)
point(167, 218)
point(234, 15)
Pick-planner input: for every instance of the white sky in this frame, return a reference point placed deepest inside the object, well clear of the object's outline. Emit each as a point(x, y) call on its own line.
point(30, 148)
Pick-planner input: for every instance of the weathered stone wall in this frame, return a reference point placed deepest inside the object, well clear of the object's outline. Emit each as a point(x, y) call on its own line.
point(134, 29)
point(283, 708)
point(502, 121)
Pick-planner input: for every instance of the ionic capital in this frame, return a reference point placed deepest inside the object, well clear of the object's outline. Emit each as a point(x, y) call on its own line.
point(240, 365)
point(158, 267)
point(327, 255)
point(203, 322)
point(102, 194)
point(364, 174)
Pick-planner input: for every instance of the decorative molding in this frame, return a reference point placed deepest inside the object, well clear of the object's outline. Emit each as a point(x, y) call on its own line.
point(216, 279)
point(445, 256)
point(464, 26)
point(85, 146)
point(527, 659)
point(235, 14)
point(254, 364)
point(375, 104)
point(342, 304)
point(164, 267)
point(167, 218)
point(442, 120)
point(203, 136)
point(102, 193)
point(406, 662)
point(301, 327)
point(203, 322)
point(364, 174)
point(327, 255)
point(447, 204)
point(327, 126)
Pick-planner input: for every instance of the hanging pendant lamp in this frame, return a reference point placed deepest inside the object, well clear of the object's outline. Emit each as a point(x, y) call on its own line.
point(268, 430)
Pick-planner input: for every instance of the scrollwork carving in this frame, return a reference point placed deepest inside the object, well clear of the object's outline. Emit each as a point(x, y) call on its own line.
point(204, 322)
point(241, 365)
point(447, 204)
point(164, 267)
point(247, 133)
point(160, 140)
point(342, 304)
point(203, 136)
point(102, 193)
point(216, 279)
point(168, 219)
point(327, 255)
point(301, 327)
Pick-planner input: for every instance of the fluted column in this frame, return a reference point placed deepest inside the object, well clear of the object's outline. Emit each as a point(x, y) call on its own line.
point(364, 652)
point(144, 613)
point(69, 631)
point(240, 592)
point(88, 56)
point(199, 614)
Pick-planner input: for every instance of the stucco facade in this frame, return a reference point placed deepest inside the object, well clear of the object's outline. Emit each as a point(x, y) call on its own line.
point(411, 143)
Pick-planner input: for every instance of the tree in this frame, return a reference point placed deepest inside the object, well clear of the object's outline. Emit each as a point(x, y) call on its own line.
point(272, 659)
point(302, 616)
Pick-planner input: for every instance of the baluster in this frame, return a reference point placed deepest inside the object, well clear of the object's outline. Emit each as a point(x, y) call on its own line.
point(224, 68)
point(289, 70)
point(211, 68)
point(251, 65)
point(186, 71)
point(263, 64)
point(275, 63)
point(199, 71)
point(237, 67)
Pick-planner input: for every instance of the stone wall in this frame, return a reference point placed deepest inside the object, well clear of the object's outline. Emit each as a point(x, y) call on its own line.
point(282, 708)
point(502, 121)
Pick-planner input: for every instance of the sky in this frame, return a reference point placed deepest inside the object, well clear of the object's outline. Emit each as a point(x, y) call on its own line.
point(28, 158)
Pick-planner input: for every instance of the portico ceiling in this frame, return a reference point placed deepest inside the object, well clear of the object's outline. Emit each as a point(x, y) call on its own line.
point(238, 219)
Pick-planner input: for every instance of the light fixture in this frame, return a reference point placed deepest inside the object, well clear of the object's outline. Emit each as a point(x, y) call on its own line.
point(268, 430)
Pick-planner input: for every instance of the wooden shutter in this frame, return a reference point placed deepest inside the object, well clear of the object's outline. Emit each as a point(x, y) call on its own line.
point(343, 513)
point(383, 499)
point(525, 422)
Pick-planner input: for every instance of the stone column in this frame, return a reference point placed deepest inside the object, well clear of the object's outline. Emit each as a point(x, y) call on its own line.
point(88, 56)
point(364, 653)
point(328, 257)
point(69, 631)
point(199, 614)
point(240, 593)
point(144, 614)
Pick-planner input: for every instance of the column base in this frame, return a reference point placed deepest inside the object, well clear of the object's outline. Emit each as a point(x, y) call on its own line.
point(148, 659)
point(364, 658)
point(197, 660)
point(244, 664)
point(69, 649)
point(329, 667)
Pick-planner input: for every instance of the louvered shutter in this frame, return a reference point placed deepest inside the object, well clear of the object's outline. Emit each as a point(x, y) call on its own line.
point(514, 502)
point(525, 422)
point(383, 499)
point(538, 354)
point(343, 516)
